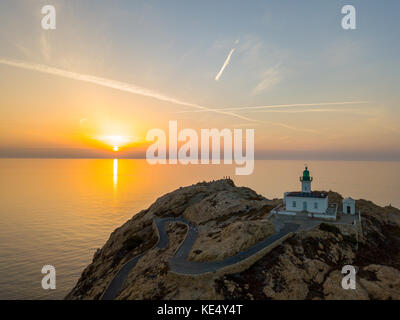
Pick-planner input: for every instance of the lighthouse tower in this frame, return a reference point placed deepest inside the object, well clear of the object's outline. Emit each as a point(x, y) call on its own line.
point(306, 181)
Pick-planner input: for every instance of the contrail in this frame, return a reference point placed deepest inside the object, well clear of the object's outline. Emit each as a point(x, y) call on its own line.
point(109, 83)
point(126, 87)
point(283, 106)
point(355, 111)
point(225, 64)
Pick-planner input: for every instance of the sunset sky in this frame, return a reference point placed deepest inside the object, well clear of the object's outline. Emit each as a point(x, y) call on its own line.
point(112, 70)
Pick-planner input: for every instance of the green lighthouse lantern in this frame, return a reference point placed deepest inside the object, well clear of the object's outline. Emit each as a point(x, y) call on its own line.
point(306, 181)
point(306, 175)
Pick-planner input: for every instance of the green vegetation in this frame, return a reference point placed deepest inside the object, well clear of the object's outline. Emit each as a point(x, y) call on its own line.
point(329, 228)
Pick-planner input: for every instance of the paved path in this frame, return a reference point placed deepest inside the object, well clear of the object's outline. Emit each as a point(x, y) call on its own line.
point(180, 264)
point(116, 284)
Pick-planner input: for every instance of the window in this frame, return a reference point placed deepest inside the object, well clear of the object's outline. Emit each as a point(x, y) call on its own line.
point(294, 204)
point(315, 205)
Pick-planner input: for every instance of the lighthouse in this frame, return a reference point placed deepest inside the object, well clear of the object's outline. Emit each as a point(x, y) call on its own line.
point(315, 203)
point(306, 181)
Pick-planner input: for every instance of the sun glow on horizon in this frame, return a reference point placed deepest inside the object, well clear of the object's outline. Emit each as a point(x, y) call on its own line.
point(116, 141)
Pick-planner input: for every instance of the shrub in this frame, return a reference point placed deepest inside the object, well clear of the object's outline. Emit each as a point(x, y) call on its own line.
point(329, 228)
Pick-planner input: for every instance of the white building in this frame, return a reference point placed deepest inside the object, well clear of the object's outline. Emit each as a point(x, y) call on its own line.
point(349, 206)
point(313, 203)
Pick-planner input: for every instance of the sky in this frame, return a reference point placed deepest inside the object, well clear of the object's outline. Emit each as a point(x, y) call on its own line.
point(112, 71)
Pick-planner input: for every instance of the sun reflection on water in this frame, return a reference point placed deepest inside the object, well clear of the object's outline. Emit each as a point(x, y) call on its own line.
point(115, 172)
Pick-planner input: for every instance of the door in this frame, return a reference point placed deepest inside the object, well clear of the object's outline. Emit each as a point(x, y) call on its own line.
point(304, 206)
point(348, 209)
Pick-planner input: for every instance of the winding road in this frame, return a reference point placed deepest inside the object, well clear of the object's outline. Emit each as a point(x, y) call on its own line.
point(179, 263)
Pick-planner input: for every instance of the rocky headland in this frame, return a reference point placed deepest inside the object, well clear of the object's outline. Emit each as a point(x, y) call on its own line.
point(227, 221)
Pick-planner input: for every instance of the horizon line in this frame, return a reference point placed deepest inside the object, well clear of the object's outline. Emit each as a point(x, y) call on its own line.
point(222, 161)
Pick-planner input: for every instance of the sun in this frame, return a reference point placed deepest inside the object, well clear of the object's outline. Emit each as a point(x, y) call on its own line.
point(115, 142)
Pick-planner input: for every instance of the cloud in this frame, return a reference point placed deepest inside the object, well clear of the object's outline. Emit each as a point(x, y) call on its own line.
point(228, 58)
point(270, 78)
point(264, 61)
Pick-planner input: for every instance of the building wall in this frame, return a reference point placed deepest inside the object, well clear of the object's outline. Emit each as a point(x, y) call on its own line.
point(324, 216)
point(284, 197)
point(306, 186)
point(287, 213)
point(351, 204)
point(322, 204)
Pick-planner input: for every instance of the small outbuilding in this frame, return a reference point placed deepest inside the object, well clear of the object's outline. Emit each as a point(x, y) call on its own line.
point(349, 206)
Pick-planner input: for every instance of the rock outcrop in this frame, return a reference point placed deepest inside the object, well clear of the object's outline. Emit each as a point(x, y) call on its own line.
point(218, 243)
point(308, 266)
point(231, 219)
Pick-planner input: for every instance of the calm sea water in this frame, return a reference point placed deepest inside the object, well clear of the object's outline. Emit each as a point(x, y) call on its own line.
point(59, 212)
